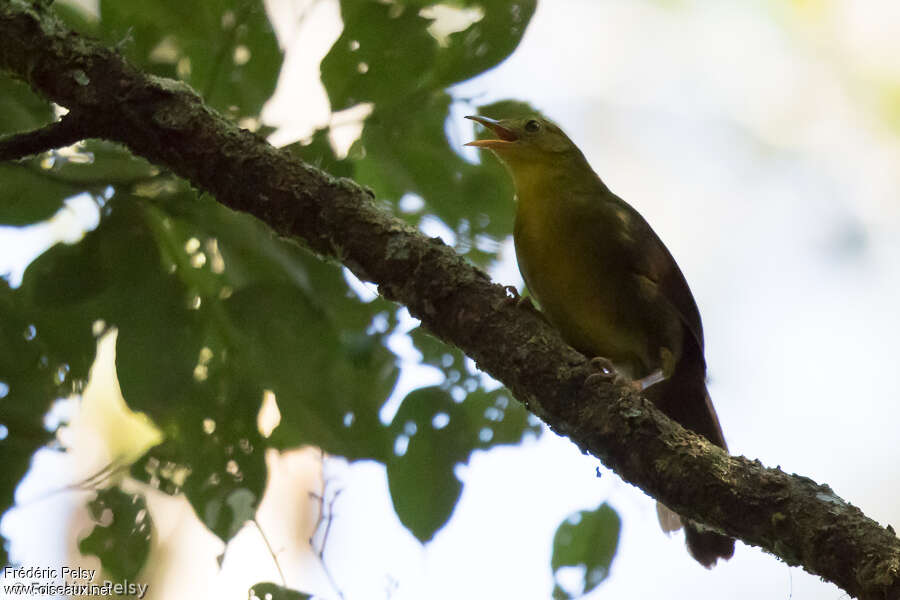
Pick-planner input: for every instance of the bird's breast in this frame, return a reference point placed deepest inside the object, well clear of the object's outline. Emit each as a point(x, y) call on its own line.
point(564, 258)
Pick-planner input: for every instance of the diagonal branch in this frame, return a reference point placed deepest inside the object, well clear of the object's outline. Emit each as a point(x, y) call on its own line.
point(166, 122)
point(64, 132)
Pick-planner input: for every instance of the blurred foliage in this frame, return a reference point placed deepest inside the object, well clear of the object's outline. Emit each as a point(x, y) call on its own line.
point(215, 312)
point(272, 591)
point(225, 49)
point(28, 195)
point(387, 56)
point(121, 534)
point(27, 388)
point(585, 543)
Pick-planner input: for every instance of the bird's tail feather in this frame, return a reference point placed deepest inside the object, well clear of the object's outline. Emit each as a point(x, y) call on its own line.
point(706, 546)
point(684, 398)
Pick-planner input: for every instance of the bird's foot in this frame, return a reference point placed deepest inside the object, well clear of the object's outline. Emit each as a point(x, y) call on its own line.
point(606, 372)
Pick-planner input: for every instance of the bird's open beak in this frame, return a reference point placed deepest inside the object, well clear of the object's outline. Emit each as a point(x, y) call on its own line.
point(504, 135)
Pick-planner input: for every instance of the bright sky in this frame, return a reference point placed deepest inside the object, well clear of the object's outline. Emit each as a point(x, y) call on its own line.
point(756, 138)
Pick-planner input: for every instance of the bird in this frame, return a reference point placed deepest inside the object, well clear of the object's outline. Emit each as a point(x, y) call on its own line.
point(606, 281)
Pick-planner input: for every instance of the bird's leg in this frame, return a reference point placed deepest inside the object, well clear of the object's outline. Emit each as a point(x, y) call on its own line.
point(651, 379)
point(660, 374)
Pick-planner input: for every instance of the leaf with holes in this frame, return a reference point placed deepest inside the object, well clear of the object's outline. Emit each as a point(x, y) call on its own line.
point(585, 543)
point(383, 55)
point(122, 532)
point(225, 49)
point(405, 151)
point(487, 41)
point(433, 432)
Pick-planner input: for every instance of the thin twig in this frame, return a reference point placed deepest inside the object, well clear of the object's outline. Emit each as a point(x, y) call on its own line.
point(328, 521)
point(326, 517)
point(89, 483)
point(265, 540)
point(58, 134)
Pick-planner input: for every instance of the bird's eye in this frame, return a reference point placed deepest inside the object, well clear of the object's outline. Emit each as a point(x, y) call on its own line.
point(532, 126)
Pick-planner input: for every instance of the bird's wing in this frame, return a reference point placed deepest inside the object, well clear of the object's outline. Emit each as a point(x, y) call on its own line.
point(651, 259)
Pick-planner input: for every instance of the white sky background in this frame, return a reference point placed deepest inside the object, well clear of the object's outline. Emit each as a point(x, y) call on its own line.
point(753, 137)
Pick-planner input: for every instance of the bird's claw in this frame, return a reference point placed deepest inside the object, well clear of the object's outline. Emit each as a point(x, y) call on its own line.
point(605, 372)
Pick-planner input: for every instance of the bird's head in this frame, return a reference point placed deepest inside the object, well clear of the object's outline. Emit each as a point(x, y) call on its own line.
point(525, 142)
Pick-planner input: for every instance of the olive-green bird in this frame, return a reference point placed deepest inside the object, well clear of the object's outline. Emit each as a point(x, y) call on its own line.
point(607, 282)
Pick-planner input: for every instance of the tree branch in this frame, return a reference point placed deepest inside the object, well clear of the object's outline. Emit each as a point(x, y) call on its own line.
point(64, 132)
point(166, 122)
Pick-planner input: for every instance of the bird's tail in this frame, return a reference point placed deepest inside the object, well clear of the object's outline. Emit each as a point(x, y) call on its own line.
point(707, 547)
point(684, 398)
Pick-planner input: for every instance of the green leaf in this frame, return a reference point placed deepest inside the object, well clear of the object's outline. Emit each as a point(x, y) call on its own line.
point(406, 151)
point(485, 43)
point(20, 108)
point(386, 53)
point(273, 591)
point(225, 49)
point(290, 324)
point(234, 249)
point(99, 164)
point(423, 488)
point(107, 277)
point(122, 533)
point(329, 384)
point(433, 432)
point(30, 194)
point(158, 346)
point(213, 451)
point(587, 541)
point(386, 56)
point(117, 276)
point(267, 307)
point(230, 476)
point(383, 55)
point(27, 387)
point(268, 316)
point(35, 189)
point(214, 454)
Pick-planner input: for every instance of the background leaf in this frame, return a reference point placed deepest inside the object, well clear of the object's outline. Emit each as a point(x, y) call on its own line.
point(224, 49)
point(122, 533)
point(383, 55)
point(20, 108)
point(485, 43)
point(272, 591)
point(28, 385)
point(587, 541)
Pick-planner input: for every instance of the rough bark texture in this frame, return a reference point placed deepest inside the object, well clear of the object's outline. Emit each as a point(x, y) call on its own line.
point(166, 122)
